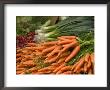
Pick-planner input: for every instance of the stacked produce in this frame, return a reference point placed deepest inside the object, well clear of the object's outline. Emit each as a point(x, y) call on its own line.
point(56, 57)
point(55, 45)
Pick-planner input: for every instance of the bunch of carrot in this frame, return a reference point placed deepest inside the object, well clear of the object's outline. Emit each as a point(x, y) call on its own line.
point(83, 66)
point(55, 55)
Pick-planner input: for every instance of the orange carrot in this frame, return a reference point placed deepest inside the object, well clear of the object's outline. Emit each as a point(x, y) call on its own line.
point(62, 39)
point(20, 69)
point(45, 69)
point(65, 54)
point(61, 60)
point(44, 72)
point(92, 58)
point(54, 64)
point(20, 66)
point(56, 50)
point(73, 53)
point(41, 48)
point(49, 49)
point(28, 56)
point(24, 51)
point(85, 67)
point(29, 63)
point(18, 59)
point(33, 69)
point(73, 66)
point(67, 47)
point(66, 68)
point(68, 72)
point(79, 64)
point(87, 56)
point(72, 44)
point(18, 50)
point(89, 63)
point(58, 68)
point(50, 43)
point(51, 60)
point(90, 71)
point(65, 42)
point(20, 72)
point(51, 57)
point(18, 55)
point(79, 71)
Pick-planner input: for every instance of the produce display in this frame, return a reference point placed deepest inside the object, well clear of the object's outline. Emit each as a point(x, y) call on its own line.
point(62, 46)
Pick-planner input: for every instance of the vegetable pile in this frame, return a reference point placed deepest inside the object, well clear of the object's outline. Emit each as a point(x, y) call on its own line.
point(55, 45)
point(54, 57)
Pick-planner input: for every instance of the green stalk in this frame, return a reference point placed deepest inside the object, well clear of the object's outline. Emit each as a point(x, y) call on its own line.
point(49, 28)
point(46, 23)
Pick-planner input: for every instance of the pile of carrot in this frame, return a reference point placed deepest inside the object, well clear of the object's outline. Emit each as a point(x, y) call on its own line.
point(53, 55)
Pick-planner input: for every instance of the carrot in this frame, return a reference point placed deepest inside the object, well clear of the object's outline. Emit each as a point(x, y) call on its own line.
point(22, 73)
point(18, 55)
point(68, 72)
point(33, 69)
point(90, 71)
point(20, 66)
point(67, 47)
point(72, 44)
point(25, 59)
point(65, 54)
point(62, 39)
point(44, 72)
point(79, 71)
point(66, 68)
point(19, 50)
point(51, 60)
point(81, 62)
point(56, 64)
point(34, 73)
point(92, 58)
point(73, 66)
point(65, 42)
point(89, 64)
point(87, 56)
point(24, 51)
point(49, 49)
point(53, 53)
point(56, 50)
point(61, 60)
point(50, 43)
point(45, 69)
point(48, 58)
point(85, 67)
point(73, 53)
point(41, 48)
point(18, 59)
point(20, 69)
point(28, 56)
point(28, 48)
point(19, 72)
point(29, 63)
point(58, 68)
